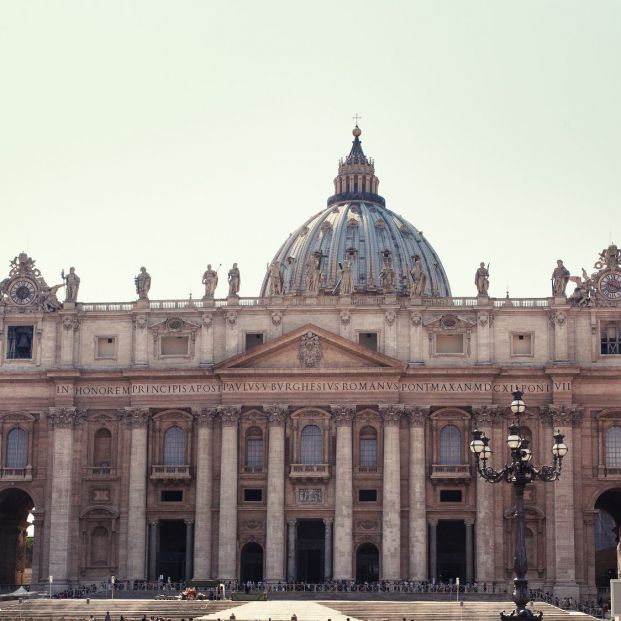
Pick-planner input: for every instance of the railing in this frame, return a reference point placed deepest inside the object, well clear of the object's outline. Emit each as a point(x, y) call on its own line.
point(369, 469)
point(16, 474)
point(450, 471)
point(608, 472)
point(291, 299)
point(254, 469)
point(99, 472)
point(309, 471)
point(171, 472)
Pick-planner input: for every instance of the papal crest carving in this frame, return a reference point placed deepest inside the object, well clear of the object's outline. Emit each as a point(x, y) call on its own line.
point(310, 350)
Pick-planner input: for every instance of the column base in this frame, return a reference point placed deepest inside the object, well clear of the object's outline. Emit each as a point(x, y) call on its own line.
point(566, 588)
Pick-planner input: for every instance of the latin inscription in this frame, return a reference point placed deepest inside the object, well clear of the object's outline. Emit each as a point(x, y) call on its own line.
point(103, 390)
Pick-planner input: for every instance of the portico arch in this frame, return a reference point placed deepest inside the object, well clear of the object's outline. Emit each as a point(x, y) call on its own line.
point(15, 559)
point(367, 563)
point(251, 563)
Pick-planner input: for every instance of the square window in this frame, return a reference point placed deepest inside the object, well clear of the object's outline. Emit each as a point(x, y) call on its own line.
point(522, 344)
point(172, 495)
point(174, 345)
point(449, 343)
point(105, 347)
point(368, 339)
point(367, 495)
point(253, 339)
point(450, 495)
point(19, 342)
point(253, 495)
point(610, 339)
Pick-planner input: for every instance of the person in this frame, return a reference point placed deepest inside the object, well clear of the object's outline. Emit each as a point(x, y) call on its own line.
point(143, 284)
point(481, 279)
point(210, 280)
point(72, 284)
point(234, 280)
point(107, 617)
point(419, 278)
point(346, 278)
point(560, 278)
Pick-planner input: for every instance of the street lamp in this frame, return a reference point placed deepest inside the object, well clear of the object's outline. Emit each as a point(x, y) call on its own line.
point(519, 472)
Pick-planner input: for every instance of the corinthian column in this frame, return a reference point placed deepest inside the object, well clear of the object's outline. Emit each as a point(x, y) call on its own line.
point(204, 493)
point(227, 541)
point(137, 419)
point(275, 533)
point(417, 499)
point(62, 421)
point(485, 524)
point(391, 502)
point(343, 517)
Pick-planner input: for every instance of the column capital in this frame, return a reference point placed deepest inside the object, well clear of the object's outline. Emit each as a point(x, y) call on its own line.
point(486, 414)
point(469, 521)
point(562, 415)
point(291, 523)
point(276, 413)
point(136, 417)
point(391, 414)
point(204, 417)
point(328, 522)
point(154, 523)
point(189, 521)
point(229, 414)
point(343, 414)
point(417, 416)
point(65, 418)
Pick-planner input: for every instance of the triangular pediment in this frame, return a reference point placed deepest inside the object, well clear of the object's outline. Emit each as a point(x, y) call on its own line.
point(310, 348)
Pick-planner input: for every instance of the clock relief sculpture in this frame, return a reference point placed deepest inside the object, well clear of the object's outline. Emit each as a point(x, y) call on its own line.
point(603, 287)
point(23, 292)
point(610, 285)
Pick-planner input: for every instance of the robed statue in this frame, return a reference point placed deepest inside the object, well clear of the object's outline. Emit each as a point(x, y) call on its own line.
point(143, 284)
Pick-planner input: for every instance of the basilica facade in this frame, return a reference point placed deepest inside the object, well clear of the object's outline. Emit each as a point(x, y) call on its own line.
point(317, 432)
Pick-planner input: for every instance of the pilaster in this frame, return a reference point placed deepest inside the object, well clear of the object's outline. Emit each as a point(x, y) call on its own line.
point(417, 495)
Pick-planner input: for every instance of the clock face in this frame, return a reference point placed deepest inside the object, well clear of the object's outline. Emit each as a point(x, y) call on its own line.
point(610, 285)
point(23, 292)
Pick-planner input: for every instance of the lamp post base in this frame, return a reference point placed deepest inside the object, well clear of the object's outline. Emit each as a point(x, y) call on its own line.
point(521, 597)
point(525, 613)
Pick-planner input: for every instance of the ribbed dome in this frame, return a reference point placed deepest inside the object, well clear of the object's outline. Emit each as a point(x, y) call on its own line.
point(381, 247)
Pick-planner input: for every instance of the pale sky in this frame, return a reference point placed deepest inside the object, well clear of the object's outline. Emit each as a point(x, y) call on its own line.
point(176, 134)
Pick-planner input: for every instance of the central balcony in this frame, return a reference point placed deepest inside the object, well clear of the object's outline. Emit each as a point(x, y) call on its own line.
point(171, 473)
point(450, 472)
point(310, 471)
point(16, 474)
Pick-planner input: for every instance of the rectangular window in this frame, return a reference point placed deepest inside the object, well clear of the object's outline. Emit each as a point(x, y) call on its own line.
point(610, 339)
point(368, 451)
point(368, 339)
point(450, 495)
point(253, 495)
point(449, 343)
point(174, 345)
point(172, 495)
point(367, 495)
point(19, 342)
point(254, 452)
point(521, 344)
point(253, 339)
point(105, 347)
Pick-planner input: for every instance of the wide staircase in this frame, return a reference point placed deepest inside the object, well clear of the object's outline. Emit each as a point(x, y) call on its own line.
point(131, 609)
point(443, 611)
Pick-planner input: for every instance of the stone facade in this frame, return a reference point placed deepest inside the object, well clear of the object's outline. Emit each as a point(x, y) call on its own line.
point(304, 437)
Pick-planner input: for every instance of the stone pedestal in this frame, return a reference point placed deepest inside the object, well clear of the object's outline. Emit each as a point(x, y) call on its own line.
point(204, 494)
point(345, 300)
point(141, 304)
point(227, 540)
point(343, 515)
point(275, 521)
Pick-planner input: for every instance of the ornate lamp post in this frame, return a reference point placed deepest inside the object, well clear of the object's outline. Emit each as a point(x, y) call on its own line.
point(519, 471)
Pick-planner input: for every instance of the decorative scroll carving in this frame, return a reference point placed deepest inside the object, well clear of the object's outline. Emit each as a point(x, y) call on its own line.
point(416, 319)
point(141, 322)
point(229, 414)
point(207, 320)
point(345, 317)
point(204, 417)
point(276, 318)
point(486, 414)
point(390, 317)
point(485, 318)
point(562, 415)
point(558, 318)
point(276, 413)
point(418, 416)
point(391, 414)
point(231, 318)
point(310, 350)
point(343, 414)
point(71, 323)
point(136, 417)
point(65, 418)
point(367, 525)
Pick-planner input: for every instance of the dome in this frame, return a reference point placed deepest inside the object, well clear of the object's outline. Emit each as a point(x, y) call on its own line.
point(382, 252)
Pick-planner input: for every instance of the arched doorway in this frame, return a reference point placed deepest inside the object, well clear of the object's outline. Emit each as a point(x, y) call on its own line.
point(251, 563)
point(16, 558)
point(367, 563)
point(607, 522)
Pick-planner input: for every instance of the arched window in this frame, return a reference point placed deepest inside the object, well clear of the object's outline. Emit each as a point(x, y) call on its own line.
point(102, 449)
point(174, 447)
point(311, 445)
point(368, 446)
point(613, 447)
point(450, 445)
point(254, 448)
point(99, 546)
point(16, 448)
